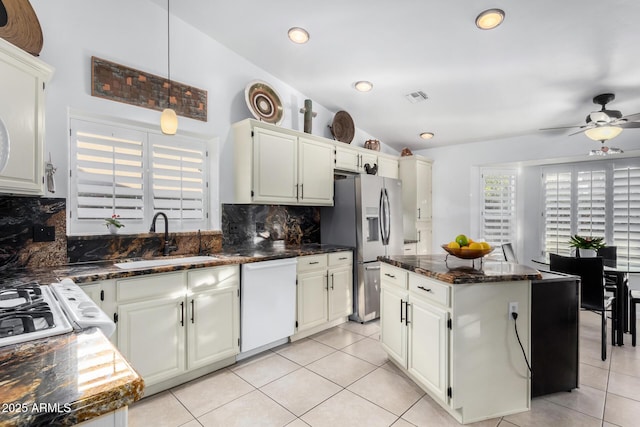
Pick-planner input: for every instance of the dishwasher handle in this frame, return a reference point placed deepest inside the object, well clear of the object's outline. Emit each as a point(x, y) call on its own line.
point(261, 265)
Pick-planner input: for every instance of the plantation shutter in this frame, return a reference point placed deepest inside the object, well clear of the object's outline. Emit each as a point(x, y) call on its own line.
point(557, 213)
point(591, 192)
point(499, 207)
point(108, 173)
point(626, 215)
point(178, 177)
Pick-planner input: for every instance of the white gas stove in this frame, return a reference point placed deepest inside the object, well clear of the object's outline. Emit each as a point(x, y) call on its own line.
point(29, 311)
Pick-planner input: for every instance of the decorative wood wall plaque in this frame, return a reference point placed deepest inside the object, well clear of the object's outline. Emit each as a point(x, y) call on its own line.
point(123, 84)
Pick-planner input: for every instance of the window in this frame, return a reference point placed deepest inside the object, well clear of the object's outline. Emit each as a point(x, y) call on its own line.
point(600, 199)
point(134, 174)
point(498, 206)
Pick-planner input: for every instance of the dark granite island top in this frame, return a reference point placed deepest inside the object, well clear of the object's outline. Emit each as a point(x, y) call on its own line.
point(455, 271)
point(64, 380)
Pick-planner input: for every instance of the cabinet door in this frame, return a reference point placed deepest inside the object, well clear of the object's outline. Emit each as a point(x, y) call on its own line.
point(312, 299)
point(428, 343)
point(213, 326)
point(423, 246)
point(22, 112)
point(340, 289)
point(151, 336)
point(388, 167)
point(393, 331)
point(94, 291)
point(315, 173)
point(347, 159)
point(274, 167)
point(423, 190)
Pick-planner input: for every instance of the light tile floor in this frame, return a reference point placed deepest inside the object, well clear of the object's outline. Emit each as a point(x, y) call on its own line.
point(341, 377)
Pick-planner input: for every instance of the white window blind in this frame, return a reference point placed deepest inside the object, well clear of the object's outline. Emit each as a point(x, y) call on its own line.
point(626, 215)
point(178, 178)
point(499, 207)
point(134, 174)
point(557, 212)
point(591, 194)
point(598, 199)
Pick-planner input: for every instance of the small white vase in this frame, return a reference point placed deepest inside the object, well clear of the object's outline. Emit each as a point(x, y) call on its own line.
point(587, 253)
point(112, 229)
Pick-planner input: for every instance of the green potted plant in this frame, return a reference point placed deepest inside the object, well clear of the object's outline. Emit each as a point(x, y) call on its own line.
point(113, 223)
point(586, 246)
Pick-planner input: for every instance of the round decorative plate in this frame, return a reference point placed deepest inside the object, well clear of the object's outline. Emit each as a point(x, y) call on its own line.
point(342, 128)
point(264, 102)
point(466, 253)
point(4, 146)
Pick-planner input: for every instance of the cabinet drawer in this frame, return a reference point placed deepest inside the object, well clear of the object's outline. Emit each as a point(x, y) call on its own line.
point(340, 258)
point(393, 275)
point(206, 278)
point(149, 286)
point(312, 262)
point(429, 289)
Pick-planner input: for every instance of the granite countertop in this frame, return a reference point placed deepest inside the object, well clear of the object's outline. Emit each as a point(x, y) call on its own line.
point(104, 270)
point(455, 271)
point(64, 380)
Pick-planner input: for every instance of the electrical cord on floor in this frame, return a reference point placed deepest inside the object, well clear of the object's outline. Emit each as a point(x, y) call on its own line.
point(515, 325)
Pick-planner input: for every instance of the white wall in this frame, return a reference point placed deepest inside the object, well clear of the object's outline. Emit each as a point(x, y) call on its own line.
point(134, 34)
point(456, 181)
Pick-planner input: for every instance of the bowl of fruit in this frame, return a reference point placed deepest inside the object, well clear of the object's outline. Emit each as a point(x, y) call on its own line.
point(465, 248)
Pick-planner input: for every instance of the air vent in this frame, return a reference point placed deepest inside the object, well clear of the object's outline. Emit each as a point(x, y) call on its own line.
point(415, 97)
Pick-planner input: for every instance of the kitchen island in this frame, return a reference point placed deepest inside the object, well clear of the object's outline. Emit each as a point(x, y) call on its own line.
point(449, 327)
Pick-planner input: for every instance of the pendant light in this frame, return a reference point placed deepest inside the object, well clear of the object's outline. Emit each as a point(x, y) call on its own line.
point(168, 119)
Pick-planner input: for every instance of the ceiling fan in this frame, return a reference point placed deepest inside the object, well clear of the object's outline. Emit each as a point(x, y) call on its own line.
point(604, 124)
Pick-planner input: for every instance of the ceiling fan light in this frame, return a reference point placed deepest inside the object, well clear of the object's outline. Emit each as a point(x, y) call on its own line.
point(490, 19)
point(169, 121)
point(298, 35)
point(603, 133)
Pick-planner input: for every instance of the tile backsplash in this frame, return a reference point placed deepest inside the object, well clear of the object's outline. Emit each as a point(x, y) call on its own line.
point(257, 225)
point(18, 218)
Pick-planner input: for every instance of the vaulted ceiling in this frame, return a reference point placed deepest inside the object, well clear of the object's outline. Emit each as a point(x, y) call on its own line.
point(539, 69)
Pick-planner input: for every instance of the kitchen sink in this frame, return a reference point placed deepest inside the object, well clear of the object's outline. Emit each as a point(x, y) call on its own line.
point(162, 262)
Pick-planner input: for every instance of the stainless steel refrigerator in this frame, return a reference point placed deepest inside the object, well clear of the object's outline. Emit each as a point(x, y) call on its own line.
point(367, 215)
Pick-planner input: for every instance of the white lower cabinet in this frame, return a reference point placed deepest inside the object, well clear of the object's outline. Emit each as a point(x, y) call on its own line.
point(457, 342)
point(427, 339)
point(324, 291)
point(170, 324)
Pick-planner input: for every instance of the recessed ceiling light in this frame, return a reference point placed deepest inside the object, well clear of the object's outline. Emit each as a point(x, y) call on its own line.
point(490, 19)
point(363, 86)
point(298, 35)
point(427, 135)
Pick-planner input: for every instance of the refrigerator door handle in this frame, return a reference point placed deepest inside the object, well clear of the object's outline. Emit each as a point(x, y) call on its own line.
point(386, 219)
point(382, 216)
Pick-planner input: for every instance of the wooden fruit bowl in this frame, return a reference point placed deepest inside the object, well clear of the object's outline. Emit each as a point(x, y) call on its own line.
point(466, 253)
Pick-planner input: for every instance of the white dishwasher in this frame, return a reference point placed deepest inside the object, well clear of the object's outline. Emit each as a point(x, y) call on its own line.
point(267, 304)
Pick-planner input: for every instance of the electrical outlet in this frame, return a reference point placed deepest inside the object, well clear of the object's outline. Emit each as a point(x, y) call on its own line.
point(513, 308)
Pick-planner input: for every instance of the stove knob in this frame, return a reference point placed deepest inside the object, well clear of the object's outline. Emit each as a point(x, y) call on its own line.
point(90, 312)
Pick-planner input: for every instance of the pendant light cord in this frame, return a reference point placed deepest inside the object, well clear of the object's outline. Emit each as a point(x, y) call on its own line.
point(168, 56)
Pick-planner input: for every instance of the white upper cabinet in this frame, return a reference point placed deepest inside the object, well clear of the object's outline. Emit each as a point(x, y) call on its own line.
point(274, 165)
point(415, 173)
point(388, 166)
point(22, 120)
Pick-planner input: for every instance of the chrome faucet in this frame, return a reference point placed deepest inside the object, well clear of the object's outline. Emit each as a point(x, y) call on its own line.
point(167, 248)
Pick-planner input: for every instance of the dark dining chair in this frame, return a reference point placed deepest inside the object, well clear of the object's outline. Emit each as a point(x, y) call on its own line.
point(592, 291)
point(509, 253)
point(609, 255)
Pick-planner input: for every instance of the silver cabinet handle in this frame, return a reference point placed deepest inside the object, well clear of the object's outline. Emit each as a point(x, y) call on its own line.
point(419, 213)
point(343, 258)
point(326, 279)
point(424, 289)
point(390, 275)
point(401, 304)
point(314, 262)
point(406, 313)
point(193, 312)
point(331, 281)
point(373, 268)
